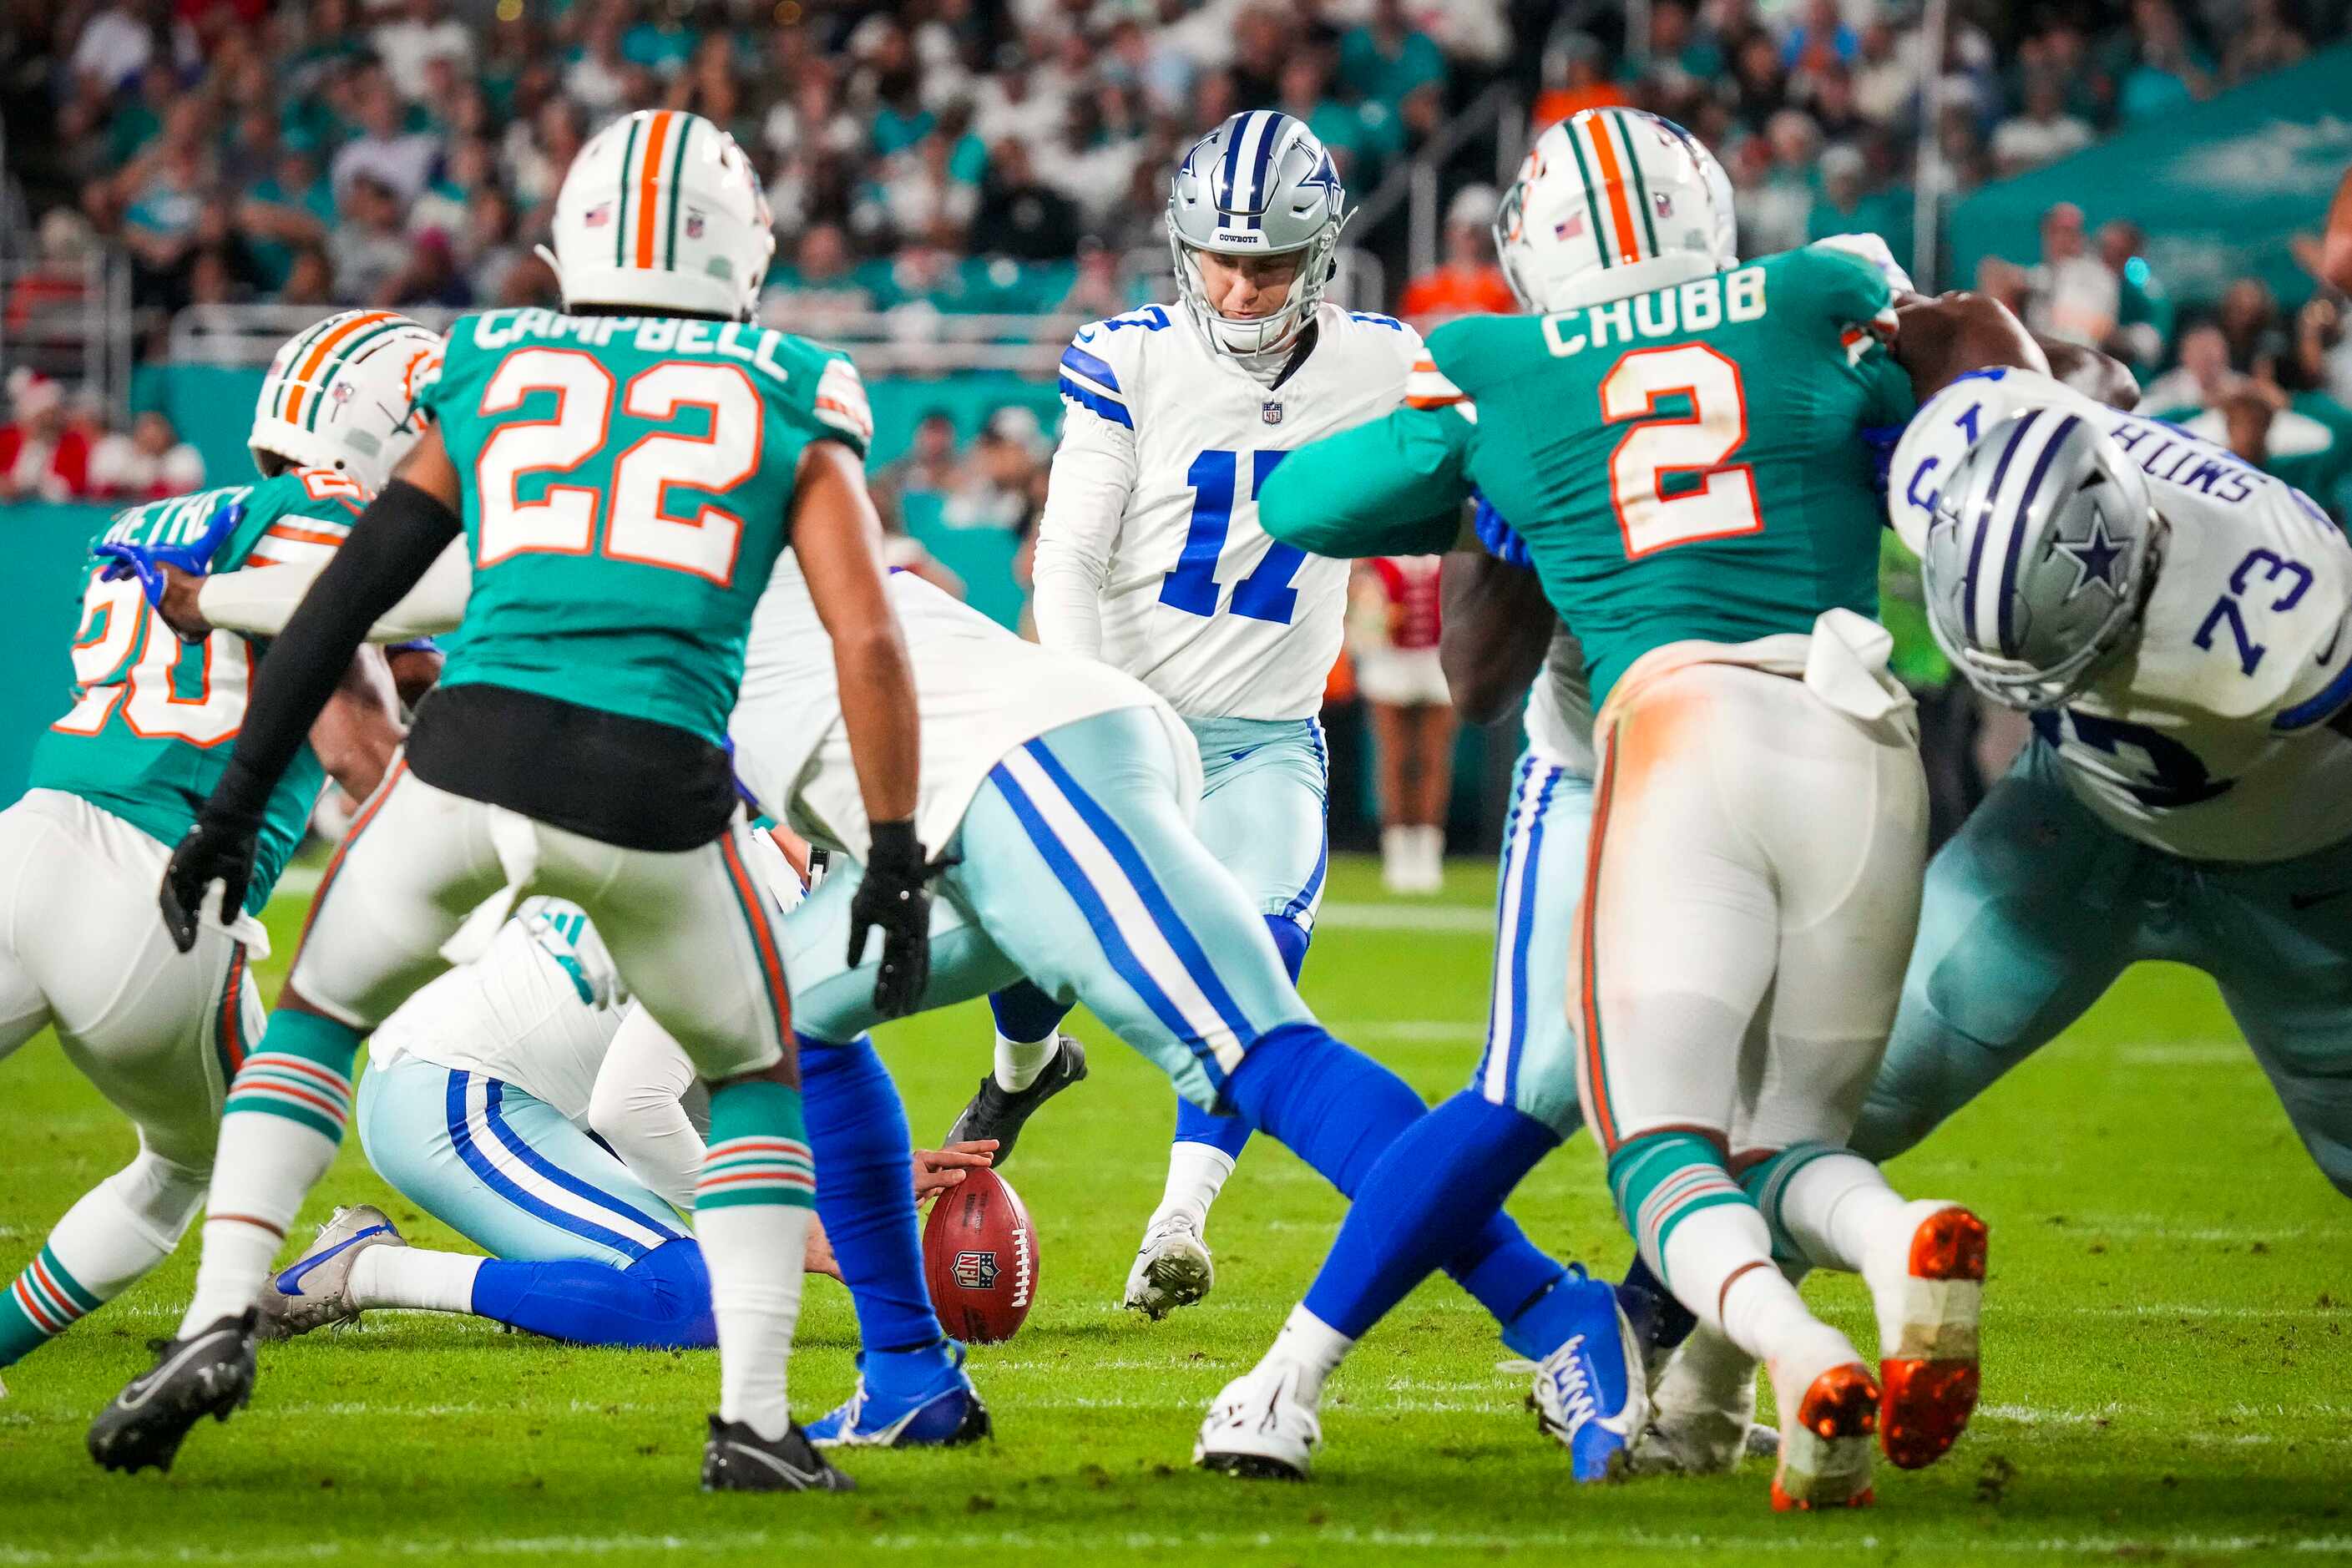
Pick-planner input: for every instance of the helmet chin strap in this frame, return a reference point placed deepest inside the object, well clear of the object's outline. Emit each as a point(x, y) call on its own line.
point(544, 254)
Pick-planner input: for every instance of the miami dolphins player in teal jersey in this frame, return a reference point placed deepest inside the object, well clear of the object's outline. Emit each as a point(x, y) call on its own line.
point(1708, 529)
point(118, 779)
point(624, 475)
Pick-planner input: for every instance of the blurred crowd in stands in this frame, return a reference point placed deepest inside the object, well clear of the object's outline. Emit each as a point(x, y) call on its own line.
point(406, 152)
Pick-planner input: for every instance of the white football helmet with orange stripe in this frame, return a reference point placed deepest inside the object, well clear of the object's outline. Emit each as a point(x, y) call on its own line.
point(661, 212)
point(342, 396)
point(1610, 202)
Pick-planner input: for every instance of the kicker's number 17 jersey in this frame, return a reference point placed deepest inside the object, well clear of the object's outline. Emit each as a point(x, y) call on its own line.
point(627, 485)
point(1165, 447)
point(152, 720)
point(2209, 738)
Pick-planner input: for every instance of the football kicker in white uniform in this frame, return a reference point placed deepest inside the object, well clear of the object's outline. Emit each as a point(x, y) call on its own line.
point(2180, 626)
point(1149, 558)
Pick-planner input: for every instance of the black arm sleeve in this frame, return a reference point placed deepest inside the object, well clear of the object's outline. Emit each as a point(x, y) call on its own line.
point(388, 548)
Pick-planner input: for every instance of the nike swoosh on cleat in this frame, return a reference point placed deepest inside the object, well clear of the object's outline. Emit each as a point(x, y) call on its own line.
point(2300, 901)
point(782, 1467)
point(291, 1282)
point(141, 1389)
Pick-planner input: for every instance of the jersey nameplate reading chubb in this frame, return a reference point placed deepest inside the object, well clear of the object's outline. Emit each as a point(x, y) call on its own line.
point(1699, 305)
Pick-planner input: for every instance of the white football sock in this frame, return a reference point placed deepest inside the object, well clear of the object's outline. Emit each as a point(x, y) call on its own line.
point(1839, 1210)
point(1730, 1245)
point(754, 1253)
point(1018, 1062)
point(1312, 1345)
point(1196, 1174)
point(126, 1225)
point(266, 1166)
point(414, 1279)
point(1433, 855)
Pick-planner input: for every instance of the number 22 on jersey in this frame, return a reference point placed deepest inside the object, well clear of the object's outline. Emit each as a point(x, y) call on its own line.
point(1697, 445)
point(1265, 594)
point(641, 522)
point(124, 656)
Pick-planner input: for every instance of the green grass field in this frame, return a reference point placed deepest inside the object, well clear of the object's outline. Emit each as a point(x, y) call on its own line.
point(2168, 1349)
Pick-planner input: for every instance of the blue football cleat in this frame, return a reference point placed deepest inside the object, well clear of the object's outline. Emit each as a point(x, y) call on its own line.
point(945, 1415)
point(1589, 1391)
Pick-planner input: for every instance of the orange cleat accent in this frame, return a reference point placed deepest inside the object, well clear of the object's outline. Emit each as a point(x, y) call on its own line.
point(1931, 1387)
point(1825, 1452)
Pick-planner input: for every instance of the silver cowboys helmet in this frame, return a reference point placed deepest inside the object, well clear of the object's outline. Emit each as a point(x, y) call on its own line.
point(2040, 556)
point(1259, 185)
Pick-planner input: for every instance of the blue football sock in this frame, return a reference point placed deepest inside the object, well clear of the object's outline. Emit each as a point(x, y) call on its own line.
point(865, 1196)
point(1026, 1014)
point(1194, 1125)
point(1443, 1177)
point(1290, 940)
point(1329, 1104)
point(662, 1302)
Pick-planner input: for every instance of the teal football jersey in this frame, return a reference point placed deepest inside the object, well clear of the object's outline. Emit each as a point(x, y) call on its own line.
point(153, 718)
point(627, 484)
point(1688, 464)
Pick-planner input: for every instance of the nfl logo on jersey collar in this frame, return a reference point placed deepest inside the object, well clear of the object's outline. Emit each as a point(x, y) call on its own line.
point(1270, 411)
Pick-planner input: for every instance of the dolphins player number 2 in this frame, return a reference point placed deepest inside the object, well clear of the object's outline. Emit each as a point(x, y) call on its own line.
point(1692, 445)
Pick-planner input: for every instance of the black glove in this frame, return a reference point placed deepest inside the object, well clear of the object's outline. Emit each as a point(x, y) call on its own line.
point(210, 852)
point(895, 897)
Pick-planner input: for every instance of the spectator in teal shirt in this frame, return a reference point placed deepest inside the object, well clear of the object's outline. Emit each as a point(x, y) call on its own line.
point(1386, 61)
point(286, 211)
point(1842, 206)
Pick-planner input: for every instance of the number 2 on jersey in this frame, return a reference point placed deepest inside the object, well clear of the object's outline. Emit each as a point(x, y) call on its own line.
point(1265, 594)
point(1697, 445)
point(639, 525)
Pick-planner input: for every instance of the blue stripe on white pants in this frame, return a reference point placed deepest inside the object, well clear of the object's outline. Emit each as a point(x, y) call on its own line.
point(1530, 1058)
point(477, 1186)
point(1111, 899)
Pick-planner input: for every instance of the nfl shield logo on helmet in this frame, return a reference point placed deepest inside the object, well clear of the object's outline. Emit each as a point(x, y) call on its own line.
point(976, 1271)
point(693, 225)
point(599, 216)
point(1271, 412)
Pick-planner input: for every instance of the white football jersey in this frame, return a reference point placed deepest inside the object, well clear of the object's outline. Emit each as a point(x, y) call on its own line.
point(2210, 740)
point(1559, 706)
point(980, 690)
point(538, 1009)
point(1165, 444)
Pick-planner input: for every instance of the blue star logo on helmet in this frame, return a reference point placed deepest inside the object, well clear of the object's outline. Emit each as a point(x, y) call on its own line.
point(1326, 178)
point(2098, 559)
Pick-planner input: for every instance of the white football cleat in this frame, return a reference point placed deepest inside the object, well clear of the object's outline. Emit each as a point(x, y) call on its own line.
point(1703, 1410)
point(1172, 1268)
point(1829, 1413)
point(1929, 1292)
point(314, 1291)
point(1260, 1427)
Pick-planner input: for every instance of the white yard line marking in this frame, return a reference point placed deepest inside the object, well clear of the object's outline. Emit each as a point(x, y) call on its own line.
point(1449, 920)
point(1411, 1031)
point(705, 1543)
point(2185, 1054)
